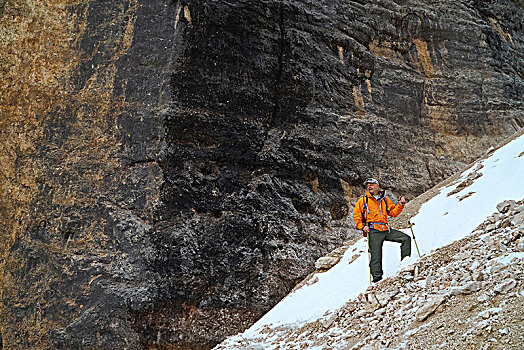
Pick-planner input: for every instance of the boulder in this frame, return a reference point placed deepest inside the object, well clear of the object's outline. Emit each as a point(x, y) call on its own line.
point(430, 307)
point(518, 219)
point(326, 262)
point(520, 245)
point(506, 205)
point(471, 287)
point(505, 286)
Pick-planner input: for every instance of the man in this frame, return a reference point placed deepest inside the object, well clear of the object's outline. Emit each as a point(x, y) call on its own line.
point(371, 216)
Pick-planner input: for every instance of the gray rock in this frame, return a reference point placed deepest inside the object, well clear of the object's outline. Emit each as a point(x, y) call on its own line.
point(461, 256)
point(506, 205)
point(429, 307)
point(430, 280)
point(483, 297)
point(455, 291)
point(505, 286)
point(497, 268)
point(312, 281)
point(408, 277)
point(372, 307)
point(393, 293)
point(326, 262)
point(506, 223)
point(468, 288)
point(474, 266)
point(491, 227)
point(471, 287)
point(372, 298)
point(327, 322)
point(491, 219)
point(518, 219)
point(383, 298)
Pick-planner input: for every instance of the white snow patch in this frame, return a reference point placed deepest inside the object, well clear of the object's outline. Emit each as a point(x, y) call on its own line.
point(413, 331)
point(489, 312)
point(506, 260)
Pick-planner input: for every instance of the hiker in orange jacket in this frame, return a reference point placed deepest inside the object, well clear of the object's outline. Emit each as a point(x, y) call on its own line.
point(371, 216)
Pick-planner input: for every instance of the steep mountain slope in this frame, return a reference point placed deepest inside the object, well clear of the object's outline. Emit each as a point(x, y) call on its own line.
point(173, 168)
point(465, 292)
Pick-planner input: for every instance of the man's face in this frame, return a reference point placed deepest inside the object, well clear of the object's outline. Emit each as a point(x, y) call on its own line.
point(372, 188)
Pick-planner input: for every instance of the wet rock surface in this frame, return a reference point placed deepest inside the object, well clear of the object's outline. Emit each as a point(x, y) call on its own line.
point(174, 168)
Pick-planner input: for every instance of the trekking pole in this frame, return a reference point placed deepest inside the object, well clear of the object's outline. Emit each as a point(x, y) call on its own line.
point(413, 234)
point(369, 259)
point(369, 264)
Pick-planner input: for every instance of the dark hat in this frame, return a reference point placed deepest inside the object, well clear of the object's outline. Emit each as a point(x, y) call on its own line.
point(371, 181)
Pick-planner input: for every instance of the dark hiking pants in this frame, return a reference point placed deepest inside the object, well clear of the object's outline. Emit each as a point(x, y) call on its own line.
point(376, 240)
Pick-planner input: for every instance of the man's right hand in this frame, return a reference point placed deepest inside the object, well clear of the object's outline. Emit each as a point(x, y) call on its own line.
point(365, 231)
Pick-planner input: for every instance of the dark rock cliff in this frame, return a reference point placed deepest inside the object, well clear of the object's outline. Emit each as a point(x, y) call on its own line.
point(170, 169)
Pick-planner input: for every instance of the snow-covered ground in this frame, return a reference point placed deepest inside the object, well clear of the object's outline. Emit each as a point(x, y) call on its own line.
point(449, 216)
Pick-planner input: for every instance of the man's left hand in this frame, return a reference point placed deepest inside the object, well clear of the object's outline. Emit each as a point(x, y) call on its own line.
point(402, 200)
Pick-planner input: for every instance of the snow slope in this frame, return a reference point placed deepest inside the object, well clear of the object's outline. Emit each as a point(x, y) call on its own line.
point(449, 216)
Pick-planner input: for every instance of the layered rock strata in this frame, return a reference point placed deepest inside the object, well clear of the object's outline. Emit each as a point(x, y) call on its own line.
point(173, 167)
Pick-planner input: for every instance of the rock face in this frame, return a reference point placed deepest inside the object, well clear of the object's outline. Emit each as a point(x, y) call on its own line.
point(169, 168)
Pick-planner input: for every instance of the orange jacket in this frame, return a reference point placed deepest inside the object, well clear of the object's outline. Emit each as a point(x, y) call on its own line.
point(376, 214)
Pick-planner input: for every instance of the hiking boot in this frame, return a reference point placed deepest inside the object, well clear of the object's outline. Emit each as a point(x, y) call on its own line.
point(376, 279)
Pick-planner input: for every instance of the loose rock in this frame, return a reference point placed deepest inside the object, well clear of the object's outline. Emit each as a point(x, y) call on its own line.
point(326, 262)
point(429, 307)
point(504, 206)
point(505, 286)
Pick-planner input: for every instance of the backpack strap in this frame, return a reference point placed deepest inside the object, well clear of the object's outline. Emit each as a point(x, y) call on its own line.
point(387, 210)
point(366, 210)
point(385, 198)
